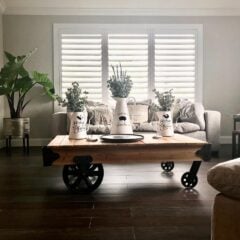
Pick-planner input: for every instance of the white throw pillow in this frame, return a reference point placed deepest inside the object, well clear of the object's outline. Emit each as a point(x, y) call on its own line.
point(225, 177)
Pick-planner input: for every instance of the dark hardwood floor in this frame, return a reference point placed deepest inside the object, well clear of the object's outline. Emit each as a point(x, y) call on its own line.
point(134, 202)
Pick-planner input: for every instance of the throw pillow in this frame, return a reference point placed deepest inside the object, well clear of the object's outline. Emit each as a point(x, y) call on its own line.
point(192, 112)
point(98, 129)
point(145, 127)
point(185, 127)
point(99, 114)
point(225, 177)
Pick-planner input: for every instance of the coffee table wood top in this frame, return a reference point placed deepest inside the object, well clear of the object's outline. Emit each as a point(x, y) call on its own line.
point(62, 141)
point(176, 148)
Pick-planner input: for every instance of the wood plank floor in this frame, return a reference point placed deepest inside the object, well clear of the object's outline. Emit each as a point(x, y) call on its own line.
point(134, 202)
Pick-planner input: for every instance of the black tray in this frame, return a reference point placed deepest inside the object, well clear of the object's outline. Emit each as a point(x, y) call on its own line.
point(121, 138)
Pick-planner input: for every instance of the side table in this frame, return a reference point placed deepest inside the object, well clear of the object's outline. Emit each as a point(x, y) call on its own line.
point(236, 137)
point(25, 141)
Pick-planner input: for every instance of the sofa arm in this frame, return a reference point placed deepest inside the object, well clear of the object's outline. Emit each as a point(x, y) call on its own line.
point(59, 123)
point(213, 125)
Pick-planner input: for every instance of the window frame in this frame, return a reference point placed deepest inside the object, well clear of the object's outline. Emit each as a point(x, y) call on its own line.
point(149, 29)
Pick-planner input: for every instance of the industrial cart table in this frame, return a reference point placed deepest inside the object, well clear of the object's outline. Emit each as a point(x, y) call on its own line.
point(83, 161)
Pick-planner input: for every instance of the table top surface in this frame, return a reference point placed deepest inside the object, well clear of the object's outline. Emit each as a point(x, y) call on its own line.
point(177, 139)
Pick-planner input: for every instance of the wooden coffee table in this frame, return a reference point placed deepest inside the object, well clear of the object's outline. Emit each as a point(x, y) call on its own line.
point(82, 160)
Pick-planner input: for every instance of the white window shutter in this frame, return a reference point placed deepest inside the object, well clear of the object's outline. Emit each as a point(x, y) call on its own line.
point(155, 56)
point(175, 64)
point(81, 61)
point(131, 50)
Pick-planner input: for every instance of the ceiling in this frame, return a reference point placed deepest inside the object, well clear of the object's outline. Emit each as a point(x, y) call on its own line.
point(122, 7)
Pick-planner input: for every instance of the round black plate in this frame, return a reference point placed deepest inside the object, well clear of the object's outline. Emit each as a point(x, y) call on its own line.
point(122, 138)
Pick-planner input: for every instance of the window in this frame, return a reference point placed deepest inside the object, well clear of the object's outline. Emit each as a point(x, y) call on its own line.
point(132, 52)
point(155, 56)
point(175, 64)
point(81, 60)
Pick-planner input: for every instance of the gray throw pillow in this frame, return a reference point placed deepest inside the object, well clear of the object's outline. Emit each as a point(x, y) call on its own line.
point(100, 114)
point(192, 112)
point(225, 177)
point(185, 127)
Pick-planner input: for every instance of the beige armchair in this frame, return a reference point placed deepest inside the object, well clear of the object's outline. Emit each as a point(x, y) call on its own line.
point(225, 177)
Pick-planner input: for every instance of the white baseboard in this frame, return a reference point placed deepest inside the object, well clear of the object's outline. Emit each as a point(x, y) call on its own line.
point(226, 140)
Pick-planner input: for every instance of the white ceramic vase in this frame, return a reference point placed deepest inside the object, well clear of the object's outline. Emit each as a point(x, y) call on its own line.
point(165, 123)
point(121, 120)
point(78, 125)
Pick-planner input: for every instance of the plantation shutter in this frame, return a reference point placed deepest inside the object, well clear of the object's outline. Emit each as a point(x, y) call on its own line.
point(131, 50)
point(175, 64)
point(81, 61)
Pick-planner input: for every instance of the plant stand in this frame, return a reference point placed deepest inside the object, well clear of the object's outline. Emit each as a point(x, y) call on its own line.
point(25, 140)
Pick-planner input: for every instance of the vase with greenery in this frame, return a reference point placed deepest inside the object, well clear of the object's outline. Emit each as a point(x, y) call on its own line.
point(120, 85)
point(15, 84)
point(76, 101)
point(165, 103)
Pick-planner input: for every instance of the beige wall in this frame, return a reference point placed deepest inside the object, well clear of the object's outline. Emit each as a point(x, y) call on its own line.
point(221, 76)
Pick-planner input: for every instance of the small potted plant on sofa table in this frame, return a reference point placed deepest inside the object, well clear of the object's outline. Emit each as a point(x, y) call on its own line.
point(120, 86)
point(165, 101)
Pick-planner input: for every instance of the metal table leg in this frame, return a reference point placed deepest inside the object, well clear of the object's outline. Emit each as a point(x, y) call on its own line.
point(190, 179)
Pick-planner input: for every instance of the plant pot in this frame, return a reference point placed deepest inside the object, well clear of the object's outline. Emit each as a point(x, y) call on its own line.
point(78, 129)
point(121, 119)
point(16, 127)
point(165, 123)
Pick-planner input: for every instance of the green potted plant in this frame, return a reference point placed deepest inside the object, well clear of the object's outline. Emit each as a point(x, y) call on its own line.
point(76, 101)
point(120, 85)
point(165, 103)
point(15, 84)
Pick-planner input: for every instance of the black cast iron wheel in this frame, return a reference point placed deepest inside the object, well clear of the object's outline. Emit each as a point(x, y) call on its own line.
point(83, 178)
point(189, 180)
point(167, 166)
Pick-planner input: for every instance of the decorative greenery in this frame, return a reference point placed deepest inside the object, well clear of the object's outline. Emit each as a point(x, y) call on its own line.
point(165, 100)
point(119, 83)
point(16, 82)
point(76, 99)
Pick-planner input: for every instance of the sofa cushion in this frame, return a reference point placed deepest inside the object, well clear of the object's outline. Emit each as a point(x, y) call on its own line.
point(225, 177)
point(185, 127)
point(191, 112)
